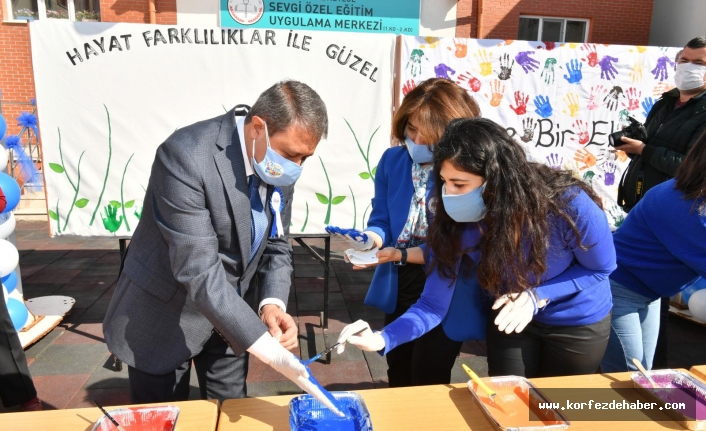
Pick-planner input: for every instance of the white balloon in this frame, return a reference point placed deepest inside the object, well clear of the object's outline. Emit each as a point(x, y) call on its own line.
point(3, 159)
point(697, 305)
point(9, 257)
point(7, 224)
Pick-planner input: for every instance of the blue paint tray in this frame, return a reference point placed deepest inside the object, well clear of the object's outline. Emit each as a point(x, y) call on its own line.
point(306, 413)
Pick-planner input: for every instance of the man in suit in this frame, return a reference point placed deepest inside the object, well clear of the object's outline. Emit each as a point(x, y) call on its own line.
point(211, 252)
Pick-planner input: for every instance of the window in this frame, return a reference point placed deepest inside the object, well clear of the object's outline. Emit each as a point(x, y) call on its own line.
point(74, 10)
point(552, 29)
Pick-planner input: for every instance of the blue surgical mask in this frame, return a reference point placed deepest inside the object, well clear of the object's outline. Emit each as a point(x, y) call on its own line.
point(419, 153)
point(274, 169)
point(468, 207)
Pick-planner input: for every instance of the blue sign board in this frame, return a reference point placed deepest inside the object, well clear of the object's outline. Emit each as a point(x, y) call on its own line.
point(368, 16)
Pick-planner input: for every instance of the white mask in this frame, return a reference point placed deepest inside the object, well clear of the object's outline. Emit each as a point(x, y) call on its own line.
point(689, 76)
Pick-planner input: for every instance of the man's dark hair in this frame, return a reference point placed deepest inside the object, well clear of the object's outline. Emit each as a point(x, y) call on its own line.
point(696, 43)
point(290, 102)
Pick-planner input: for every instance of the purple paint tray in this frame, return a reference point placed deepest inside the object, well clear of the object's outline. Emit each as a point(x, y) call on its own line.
point(686, 395)
point(306, 413)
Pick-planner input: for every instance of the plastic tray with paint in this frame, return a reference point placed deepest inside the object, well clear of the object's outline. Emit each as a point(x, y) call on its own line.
point(306, 413)
point(162, 418)
point(517, 405)
point(686, 395)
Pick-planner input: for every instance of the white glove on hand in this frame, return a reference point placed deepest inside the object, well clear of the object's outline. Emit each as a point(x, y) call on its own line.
point(367, 339)
point(356, 239)
point(517, 314)
point(268, 350)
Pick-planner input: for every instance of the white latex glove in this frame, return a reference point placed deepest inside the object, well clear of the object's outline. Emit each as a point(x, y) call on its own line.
point(517, 314)
point(356, 239)
point(268, 350)
point(367, 339)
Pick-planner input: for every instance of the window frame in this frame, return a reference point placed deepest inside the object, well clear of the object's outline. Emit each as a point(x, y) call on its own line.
point(9, 14)
point(563, 26)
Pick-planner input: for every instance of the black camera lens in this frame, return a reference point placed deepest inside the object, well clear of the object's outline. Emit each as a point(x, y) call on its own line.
point(614, 138)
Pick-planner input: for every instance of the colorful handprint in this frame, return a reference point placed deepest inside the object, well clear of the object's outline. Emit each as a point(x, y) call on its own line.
point(497, 89)
point(660, 72)
point(633, 96)
point(485, 60)
point(594, 97)
point(572, 102)
point(443, 71)
point(609, 169)
point(414, 64)
point(432, 41)
point(549, 45)
point(661, 88)
point(544, 108)
point(608, 70)
point(637, 70)
point(591, 54)
point(612, 99)
point(581, 128)
point(521, 100)
point(111, 221)
point(617, 214)
point(528, 63)
point(408, 86)
point(548, 71)
point(528, 128)
point(554, 161)
point(461, 46)
point(647, 105)
point(505, 67)
point(584, 156)
point(574, 68)
point(467, 80)
point(588, 177)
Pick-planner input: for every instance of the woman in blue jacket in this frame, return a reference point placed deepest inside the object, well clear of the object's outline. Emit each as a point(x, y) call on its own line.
point(661, 246)
point(539, 243)
point(398, 227)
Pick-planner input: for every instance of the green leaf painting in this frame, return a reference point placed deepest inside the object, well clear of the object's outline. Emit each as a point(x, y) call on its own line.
point(115, 204)
point(323, 199)
point(364, 175)
point(337, 200)
point(56, 168)
point(81, 203)
point(129, 204)
point(370, 174)
point(53, 216)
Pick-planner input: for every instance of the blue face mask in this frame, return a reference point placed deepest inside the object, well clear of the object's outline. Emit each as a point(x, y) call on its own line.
point(468, 207)
point(274, 169)
point(419, 153)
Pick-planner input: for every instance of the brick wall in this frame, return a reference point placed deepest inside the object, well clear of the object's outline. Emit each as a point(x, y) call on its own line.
point(16, 77)
point(624, 22)
point(138, 11)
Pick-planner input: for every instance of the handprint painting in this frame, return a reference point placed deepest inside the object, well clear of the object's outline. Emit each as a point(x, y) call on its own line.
point(560, 101)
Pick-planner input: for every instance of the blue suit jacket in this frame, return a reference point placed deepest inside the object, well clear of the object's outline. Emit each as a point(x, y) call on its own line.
point(393, 195)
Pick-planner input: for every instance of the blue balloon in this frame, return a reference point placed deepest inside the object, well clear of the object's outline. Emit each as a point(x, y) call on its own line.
point(10, 281)
point(693, 286)
point(18, 313)
point(11, 190)
point(3, 127)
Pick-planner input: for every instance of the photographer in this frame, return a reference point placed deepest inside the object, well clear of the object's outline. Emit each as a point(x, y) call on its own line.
point(672, 126)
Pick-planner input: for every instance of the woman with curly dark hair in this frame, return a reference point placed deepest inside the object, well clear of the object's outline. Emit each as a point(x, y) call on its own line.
point(541, 247)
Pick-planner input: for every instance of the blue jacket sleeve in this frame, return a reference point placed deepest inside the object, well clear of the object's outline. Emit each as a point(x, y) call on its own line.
point(379, 221)
point(591, 266)
point(425, 315)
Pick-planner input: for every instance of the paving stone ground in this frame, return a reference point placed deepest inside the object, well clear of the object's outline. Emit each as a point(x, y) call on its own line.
point(72, 365)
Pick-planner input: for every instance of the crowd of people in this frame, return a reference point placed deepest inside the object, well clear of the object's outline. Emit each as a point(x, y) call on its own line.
point(475, 242)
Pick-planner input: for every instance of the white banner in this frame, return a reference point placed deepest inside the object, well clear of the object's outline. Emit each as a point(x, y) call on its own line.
point(109, 94)
point(560, 100)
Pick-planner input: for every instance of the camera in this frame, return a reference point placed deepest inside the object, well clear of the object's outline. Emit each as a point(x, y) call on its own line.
point(634, 130)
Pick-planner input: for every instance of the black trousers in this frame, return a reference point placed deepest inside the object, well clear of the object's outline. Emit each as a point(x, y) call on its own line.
point(545, 350)
point(16, 385)
point(221, 375)
point(429, 359)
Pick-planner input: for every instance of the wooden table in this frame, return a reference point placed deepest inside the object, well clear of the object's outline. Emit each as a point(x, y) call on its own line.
point(441, 407)
point(699, 371)
point(193, 416)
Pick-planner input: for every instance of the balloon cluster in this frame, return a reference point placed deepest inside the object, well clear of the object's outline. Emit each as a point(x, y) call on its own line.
point(695, 297)
point(9, 256)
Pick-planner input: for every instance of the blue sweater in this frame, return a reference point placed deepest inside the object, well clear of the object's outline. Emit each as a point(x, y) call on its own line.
point(393, 194)
point(575, 282)
point(661, 245)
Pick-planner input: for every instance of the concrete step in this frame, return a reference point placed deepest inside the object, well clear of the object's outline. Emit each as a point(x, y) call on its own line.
point(32, 206)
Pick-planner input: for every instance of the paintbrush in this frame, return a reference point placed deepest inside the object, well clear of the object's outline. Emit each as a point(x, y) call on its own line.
point(477, 380)
point(643, 371)
point(329, 350)
point(109, 416)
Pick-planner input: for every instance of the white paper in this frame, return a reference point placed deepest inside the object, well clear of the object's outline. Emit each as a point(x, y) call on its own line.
point(357, 257)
